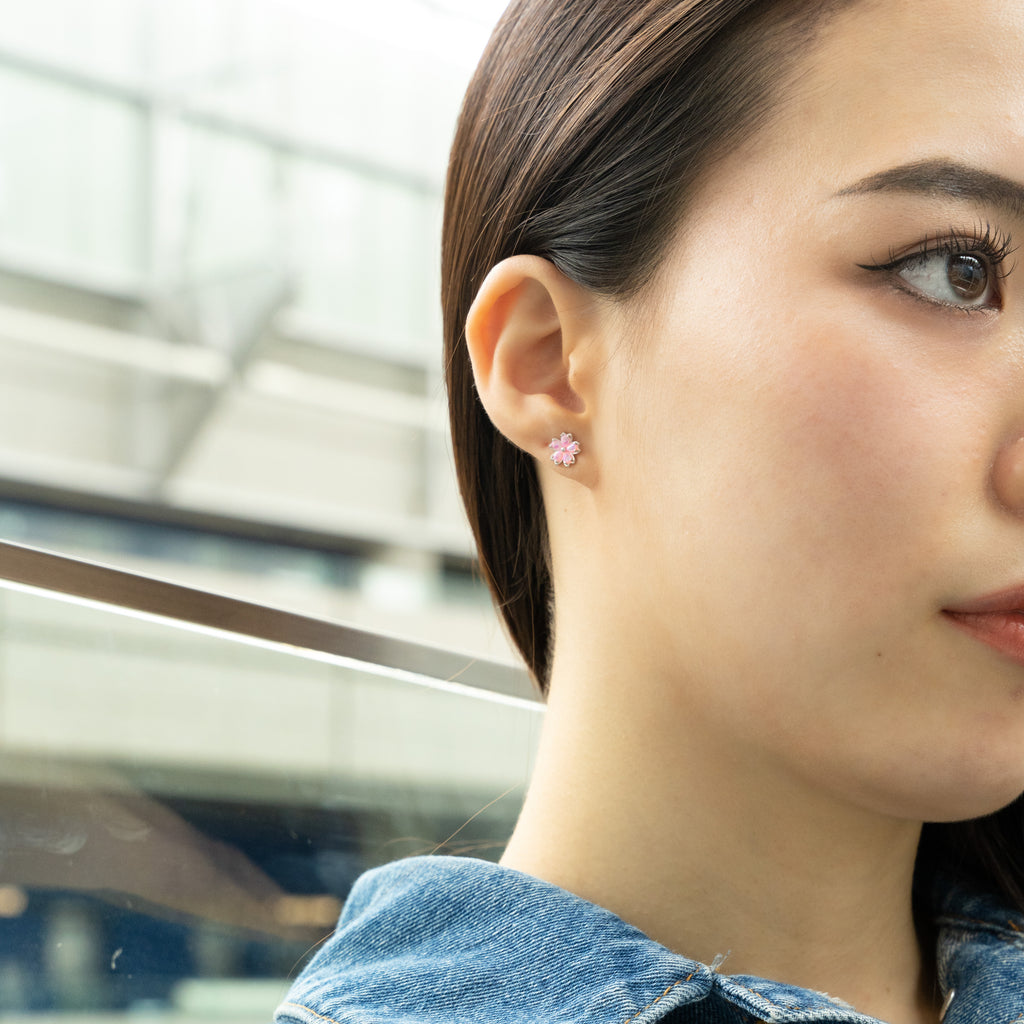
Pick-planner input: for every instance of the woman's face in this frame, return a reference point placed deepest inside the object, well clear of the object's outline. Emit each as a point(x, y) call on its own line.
point(812, 457)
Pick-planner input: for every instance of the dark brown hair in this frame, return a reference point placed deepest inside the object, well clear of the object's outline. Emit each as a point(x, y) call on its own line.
point(581, 137)
point(584, 134)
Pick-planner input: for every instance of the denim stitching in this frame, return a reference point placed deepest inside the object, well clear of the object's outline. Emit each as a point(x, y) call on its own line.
point(990, 927)
point(675, 984)
point(319, 1016)
point(768, 999)
point(976, 922)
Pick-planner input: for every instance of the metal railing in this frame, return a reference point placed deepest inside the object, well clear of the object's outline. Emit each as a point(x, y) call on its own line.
point(90, 581)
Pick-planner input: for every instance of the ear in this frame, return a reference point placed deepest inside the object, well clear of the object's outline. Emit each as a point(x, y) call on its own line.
point(530, 333)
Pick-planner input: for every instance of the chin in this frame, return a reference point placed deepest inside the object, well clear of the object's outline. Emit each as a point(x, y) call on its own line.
point(970, 771)
point(969, 810)
point(967, 798)
point(955, 788)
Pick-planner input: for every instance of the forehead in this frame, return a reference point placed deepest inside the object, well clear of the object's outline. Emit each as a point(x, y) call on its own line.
point(884, 84)
point(896, 82)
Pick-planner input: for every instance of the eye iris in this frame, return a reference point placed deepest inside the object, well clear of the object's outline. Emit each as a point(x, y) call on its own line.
point(967, 275)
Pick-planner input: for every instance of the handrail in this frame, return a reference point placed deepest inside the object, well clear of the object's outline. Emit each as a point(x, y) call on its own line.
point(73, 577)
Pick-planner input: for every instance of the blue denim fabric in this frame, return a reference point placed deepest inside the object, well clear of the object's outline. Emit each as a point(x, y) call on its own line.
point(442, 940)
point(981, 956)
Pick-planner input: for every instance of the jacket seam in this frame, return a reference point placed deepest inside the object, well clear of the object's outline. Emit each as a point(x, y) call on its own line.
point(675, 984)
point(768, 999)
point(319, 1016)
point(1009, 933)
point(978, 923)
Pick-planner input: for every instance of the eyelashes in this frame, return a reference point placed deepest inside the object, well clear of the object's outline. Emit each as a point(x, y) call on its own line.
point(960, 269)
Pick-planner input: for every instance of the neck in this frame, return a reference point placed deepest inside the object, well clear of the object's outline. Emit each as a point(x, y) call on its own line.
point(713, 852)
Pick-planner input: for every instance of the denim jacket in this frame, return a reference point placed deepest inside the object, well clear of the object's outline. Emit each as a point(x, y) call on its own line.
point(443, 940)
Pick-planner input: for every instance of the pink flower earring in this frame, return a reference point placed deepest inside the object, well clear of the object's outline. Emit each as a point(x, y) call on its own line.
point(564, 450)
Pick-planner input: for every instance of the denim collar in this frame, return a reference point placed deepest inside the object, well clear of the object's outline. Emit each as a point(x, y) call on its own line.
point(980, 958)
point(436, 940)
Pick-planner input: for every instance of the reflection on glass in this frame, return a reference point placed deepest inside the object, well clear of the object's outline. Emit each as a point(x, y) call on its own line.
point(182, 812)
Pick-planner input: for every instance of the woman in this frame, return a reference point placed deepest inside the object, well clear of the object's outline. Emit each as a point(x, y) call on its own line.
point(736, 372)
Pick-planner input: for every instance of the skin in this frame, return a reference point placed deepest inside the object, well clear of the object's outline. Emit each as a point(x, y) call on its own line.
point(790, 466)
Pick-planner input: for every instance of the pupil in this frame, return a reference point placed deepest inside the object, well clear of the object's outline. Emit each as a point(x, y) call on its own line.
point(968, 276)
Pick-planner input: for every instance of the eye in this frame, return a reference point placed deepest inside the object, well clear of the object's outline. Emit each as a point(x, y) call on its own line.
point(964, 279)
point(962, 271)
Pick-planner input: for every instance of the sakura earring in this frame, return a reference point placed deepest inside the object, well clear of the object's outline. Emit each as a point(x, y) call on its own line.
point(564, 450)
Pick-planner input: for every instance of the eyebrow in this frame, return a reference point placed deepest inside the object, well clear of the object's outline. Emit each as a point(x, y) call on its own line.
point(947, 179)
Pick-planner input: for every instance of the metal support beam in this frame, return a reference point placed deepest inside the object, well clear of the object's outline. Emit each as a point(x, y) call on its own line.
point(241, 351)
point(193, 114)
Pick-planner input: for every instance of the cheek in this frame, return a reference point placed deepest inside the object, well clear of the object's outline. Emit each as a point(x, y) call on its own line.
point(883, 453)
point(814, 475)
point(878, 455)
point(857, 455)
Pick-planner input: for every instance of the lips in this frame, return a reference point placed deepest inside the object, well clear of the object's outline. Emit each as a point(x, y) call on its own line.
point(996, 620)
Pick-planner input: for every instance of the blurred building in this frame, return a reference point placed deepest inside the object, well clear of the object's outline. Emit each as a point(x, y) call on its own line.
point(220, 366)
point(219, 320)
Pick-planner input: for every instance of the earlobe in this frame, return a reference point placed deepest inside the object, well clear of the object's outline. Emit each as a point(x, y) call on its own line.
point(528, 332)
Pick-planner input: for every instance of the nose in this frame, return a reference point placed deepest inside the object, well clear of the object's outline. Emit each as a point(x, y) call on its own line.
point(1008, 476)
